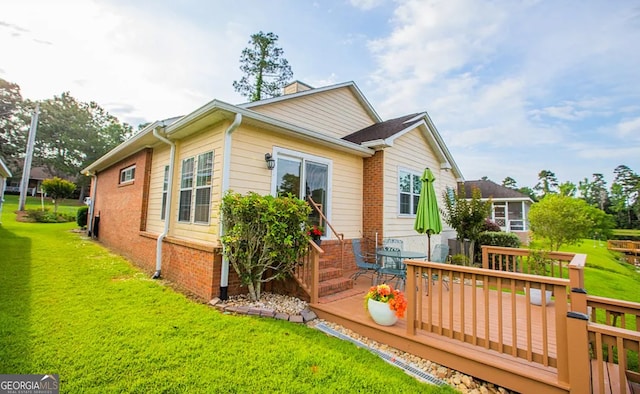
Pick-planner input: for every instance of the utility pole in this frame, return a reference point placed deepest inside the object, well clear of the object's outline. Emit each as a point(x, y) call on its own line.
point(26, 171)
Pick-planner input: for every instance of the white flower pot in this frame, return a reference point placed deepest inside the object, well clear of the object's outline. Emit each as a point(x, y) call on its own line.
point(381, 313)
point(536, 296)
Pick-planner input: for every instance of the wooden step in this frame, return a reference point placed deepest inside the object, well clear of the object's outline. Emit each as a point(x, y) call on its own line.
point(333, 286)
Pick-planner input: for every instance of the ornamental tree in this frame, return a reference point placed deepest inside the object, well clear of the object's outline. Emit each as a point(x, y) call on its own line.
point(265, 236)
point(566, 220)
point(58, 189)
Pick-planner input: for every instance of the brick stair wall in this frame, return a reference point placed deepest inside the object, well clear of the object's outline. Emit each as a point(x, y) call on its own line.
point(331, 279)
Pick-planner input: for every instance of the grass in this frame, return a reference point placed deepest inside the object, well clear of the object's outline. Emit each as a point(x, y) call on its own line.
point(627, 232)
point(70, 307)
point(606, 274)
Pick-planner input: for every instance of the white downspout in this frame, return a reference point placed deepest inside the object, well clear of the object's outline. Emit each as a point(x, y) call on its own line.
point(92, 203)
point(167, 209)
point(226, 164)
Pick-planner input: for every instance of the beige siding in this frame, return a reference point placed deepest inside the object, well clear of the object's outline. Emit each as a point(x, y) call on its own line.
point(336, 113)
point(159, 160)
point(251, 174)
point(412, 152)
point(210, 140)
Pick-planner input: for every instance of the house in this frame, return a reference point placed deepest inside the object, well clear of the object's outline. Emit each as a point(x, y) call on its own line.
point(509, 207)
point(156, 196)
point(36, 176)
point(4, 174)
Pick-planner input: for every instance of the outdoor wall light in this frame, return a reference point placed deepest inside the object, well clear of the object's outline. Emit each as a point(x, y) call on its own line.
point(271, 162)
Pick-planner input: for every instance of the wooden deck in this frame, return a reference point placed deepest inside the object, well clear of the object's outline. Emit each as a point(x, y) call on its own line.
point(482, 322)
point(437, 342)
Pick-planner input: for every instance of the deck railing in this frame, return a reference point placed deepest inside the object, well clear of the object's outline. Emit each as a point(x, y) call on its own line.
point(624, 245)
point(491, 307)
point(614, 338)
point(307, 273)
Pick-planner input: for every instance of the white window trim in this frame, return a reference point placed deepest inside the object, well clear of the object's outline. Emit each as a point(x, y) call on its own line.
point(131, 170)
point(165, 192)
point(399, 193)
point(194, 188)
point(289, 153)
point(181, 189)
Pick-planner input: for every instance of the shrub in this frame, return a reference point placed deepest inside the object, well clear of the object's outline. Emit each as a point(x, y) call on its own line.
point(81, 216)
point(46, 216)
point(507, 240)
point(265, 236)
point(490, 225)
point(459, 259)
point(58, 189)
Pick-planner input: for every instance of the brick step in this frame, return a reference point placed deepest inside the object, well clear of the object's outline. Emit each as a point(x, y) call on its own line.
point(328, 263)
point(329, 273)
point(333, 286)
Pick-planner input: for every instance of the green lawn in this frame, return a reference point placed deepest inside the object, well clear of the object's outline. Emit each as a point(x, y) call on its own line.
point(68, 306)
point(605, 274)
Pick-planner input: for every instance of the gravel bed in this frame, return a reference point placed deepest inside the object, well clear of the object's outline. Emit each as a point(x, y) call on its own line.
point(293, 306)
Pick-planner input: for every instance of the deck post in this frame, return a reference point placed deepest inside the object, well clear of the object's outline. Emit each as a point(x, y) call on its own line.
point(412, 302)
point(578, 343)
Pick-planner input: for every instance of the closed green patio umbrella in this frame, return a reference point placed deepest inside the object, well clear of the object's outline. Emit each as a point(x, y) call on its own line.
point(428, 214)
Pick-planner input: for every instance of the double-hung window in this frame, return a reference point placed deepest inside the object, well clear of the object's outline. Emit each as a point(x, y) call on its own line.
point(409, 184)
point(198, 189)
point(165, 189)
point(203, 188)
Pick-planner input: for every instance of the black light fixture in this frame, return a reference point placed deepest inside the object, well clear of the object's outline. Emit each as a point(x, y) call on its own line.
point(271, 162)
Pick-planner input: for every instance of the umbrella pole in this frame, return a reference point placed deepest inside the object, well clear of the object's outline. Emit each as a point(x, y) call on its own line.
point(428, 246)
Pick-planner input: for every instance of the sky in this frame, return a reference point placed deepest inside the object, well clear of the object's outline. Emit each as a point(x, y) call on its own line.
point(513, 87)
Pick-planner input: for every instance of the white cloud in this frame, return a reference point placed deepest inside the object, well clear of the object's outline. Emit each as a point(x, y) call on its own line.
point(629, 128)
point(366, 4)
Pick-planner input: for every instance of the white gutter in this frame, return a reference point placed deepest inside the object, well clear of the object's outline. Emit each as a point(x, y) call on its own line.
point(92, 203)
point(167, 208)
point(226, 164)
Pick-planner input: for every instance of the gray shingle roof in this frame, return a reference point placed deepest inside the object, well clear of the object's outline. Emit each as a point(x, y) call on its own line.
point(382, 130)
point(492, 189)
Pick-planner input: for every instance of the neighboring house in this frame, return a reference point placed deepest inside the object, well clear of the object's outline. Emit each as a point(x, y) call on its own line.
point(36, 176)
point(509, 208)
point(156, 197)
point(4, 174)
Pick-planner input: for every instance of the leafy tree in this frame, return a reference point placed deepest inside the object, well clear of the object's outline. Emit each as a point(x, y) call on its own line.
point(73, 134)
point(624, 194)
point(529, 192)
point(264, 236)
point(13, 126)
point(510, 183)
point(594, 192)
point(58, 189)
point(568, 189)
point(466, 216)
point(547, 183)
point(566, 220)
point(266, 72)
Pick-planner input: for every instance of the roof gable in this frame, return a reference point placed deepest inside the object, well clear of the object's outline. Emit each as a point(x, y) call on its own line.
point(336, 110)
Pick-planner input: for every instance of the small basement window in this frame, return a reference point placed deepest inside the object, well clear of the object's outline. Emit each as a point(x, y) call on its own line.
point(127, 174)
